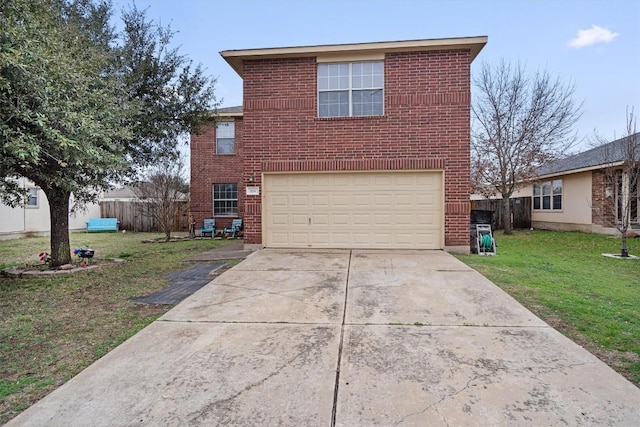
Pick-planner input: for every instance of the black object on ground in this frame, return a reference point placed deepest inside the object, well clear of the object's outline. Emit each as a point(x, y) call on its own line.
point(183, 284)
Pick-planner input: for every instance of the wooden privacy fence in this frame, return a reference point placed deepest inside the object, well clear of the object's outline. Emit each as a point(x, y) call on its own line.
point(132, 218)
point(520, 211)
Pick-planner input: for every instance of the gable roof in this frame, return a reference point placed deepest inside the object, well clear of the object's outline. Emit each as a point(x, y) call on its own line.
point(119, 193)
point(595, 158)
point(230, 111)
point(235, 58)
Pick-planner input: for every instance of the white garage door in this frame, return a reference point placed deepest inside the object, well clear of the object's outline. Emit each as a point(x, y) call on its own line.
point(353, 210)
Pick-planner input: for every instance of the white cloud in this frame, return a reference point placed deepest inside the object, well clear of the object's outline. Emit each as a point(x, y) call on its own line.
point(593, 35)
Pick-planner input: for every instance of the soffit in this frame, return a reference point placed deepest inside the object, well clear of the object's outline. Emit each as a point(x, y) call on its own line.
point(364, 51)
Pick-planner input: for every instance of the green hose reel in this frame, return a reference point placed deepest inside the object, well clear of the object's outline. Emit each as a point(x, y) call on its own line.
point(486, 242)
point(484, 238)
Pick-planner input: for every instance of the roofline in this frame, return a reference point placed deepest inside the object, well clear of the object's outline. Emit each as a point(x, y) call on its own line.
point(239, 114)
point(236, 57)
point(585, 169)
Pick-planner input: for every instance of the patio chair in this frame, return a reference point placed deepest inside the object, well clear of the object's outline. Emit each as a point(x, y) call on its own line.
point(209, 226)
point(236, 226)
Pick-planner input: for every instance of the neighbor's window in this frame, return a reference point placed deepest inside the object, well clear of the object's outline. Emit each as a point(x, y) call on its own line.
point(225, 199)
point(225, 138)
point(350, 89)
point(32, 197)
point(627, 193)
point(547, 195)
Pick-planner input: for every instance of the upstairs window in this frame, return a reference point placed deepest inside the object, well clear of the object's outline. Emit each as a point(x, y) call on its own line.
point(225, 138)
point(351, 89)
point(547, 196)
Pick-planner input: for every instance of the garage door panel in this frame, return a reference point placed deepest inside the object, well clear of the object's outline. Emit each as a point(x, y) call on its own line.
point(321, 219)
point(354, 210)
point(361, 200)
point(340, 219)
point(404, 200)
point(383, 219)
point(320, 200)
point(404, 220)
point(340, 200)
point(361, 219)
point(382, 238)
point(280, 200)
point(319, 238)
point(299, 200)
point(361, 180)
point(298, 219)
point(280, 219)
point(299, 238)
point(361, 238)
point(339, 181)
point(384, 201)
point(300, 181)
point(280, 238)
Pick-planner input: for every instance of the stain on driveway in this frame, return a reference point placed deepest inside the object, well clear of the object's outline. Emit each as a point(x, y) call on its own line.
point(346, 338)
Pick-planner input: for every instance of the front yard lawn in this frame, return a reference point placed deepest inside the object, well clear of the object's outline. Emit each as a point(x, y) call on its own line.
point(52, 328)
point(563, 278)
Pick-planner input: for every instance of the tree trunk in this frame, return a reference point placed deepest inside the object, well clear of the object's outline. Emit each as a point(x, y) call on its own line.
point(506, 212)
point(624, 251)
point(59, 212)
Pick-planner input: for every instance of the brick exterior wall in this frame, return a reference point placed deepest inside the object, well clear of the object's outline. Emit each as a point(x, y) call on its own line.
point(425, 126)
point(208, 168)
point(601, 206)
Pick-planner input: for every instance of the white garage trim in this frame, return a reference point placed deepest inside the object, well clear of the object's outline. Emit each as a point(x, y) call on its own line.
point(372, 209)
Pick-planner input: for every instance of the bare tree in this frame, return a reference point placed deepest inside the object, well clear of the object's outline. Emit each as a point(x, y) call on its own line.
point(519, 123)
point(622, 170)
point(161, 191)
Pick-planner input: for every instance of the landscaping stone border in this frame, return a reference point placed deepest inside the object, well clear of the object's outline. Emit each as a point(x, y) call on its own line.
point(22, 273)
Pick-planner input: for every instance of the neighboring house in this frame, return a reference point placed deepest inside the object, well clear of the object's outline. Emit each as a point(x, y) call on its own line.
point(573, 193)
point(343, 146)
point(124, 194)
point(128, 194)
point(32, 219)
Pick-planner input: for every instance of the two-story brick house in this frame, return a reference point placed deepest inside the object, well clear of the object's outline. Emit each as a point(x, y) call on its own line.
point(344, 146)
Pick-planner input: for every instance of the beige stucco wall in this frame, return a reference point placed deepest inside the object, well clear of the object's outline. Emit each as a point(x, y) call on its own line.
point(576, 204)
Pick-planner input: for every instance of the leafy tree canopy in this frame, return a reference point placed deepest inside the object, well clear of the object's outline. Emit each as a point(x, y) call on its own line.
point(83, 107)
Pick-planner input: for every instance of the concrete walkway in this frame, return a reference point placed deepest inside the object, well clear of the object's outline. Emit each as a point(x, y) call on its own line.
point(346, 338)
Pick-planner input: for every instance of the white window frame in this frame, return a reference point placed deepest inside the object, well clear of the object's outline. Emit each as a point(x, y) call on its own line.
point(551, 185)
point(225, 130)
point(32, 193)
point(350, 89)
point(226, 201)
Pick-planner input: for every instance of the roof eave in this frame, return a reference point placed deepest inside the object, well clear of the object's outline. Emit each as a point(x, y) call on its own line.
point(235, 58)
point(230, 114)
point(579, 170)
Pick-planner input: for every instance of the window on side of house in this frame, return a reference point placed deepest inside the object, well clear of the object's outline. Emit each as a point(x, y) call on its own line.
point(351, 89)
point(225, 138)
point(32, 197)
point(225, 200)
point(628, 191)
point(547, 195)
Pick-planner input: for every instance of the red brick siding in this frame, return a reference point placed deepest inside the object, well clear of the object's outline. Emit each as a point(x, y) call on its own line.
point(426, 120)
point(602, 206)
point(208, 168)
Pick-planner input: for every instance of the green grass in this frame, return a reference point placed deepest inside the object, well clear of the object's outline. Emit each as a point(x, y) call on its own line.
point(52, 328)
point(564, 279)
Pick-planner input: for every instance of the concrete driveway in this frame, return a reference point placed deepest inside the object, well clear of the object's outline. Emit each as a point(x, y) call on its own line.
point(346, 338)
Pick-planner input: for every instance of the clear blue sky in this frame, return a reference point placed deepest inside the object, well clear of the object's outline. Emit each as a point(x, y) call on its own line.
point(594, 44)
